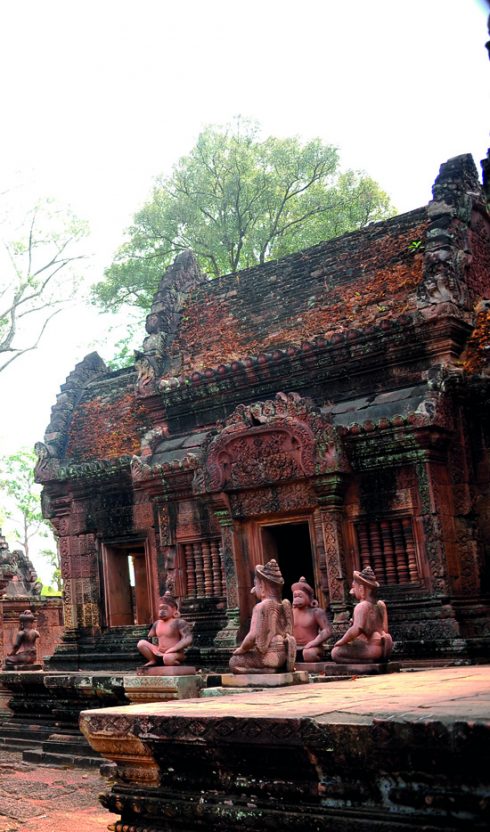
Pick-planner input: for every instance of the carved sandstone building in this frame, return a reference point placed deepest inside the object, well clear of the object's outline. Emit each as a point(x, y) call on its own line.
point(329, 409)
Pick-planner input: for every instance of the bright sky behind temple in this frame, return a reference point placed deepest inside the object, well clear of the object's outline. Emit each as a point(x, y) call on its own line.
point(100, 96)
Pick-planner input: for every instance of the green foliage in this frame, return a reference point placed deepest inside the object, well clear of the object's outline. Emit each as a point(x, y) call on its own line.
point(124, 348)
point(20, 495)
point(20, 498)
point(20, 503)
point(52, 556)
point(51, 592)
point(236, 201)
point(415, 246)
point(123, 356)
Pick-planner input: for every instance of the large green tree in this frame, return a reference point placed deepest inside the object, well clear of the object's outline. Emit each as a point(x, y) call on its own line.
point(236, 201)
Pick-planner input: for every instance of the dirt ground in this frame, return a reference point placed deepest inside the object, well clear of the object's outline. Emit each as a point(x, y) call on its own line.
point(45, 799)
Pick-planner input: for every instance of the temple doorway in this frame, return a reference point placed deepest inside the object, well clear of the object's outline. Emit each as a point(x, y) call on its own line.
point(126, 585)
point(290, 545)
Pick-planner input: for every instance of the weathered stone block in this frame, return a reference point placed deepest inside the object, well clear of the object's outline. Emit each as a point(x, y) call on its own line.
point(264, 680)
point(162, 688)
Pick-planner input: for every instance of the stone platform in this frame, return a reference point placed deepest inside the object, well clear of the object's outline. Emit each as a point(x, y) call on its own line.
point(389, 752)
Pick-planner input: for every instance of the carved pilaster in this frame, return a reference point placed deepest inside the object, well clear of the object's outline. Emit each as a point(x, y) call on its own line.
point(433, 529)
point(79, 566)
point(227, 637)
point(166, 549)
point(329, 519)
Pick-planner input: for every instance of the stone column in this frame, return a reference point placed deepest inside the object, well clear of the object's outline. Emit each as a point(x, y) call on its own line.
point(227, 637)
point(329, 520)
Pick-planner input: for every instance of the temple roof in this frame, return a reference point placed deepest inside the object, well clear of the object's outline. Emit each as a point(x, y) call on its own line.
point(354, 280)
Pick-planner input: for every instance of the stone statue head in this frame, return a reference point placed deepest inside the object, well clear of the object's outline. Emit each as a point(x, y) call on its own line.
point(364, 582)
point(26, 619)
point(268, 579)
point(169, 607)
point(303, 594)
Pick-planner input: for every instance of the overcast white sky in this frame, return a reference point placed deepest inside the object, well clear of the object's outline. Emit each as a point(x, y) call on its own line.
point(100, 96)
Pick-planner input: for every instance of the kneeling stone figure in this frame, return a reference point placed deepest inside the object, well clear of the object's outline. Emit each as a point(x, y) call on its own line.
point(367, 639)
point(269, 646)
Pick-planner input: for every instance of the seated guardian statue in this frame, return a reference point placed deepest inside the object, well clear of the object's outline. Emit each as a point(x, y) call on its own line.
point(311, 625)
point(172, 633)
point(24, 650)
point(269, 646)
point(367, 639)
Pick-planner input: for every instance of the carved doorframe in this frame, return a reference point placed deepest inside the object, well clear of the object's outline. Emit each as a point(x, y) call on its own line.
point(125, 546)
point(259, 554)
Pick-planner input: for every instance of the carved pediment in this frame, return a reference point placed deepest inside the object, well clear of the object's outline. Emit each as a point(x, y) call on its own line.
point(270, 442)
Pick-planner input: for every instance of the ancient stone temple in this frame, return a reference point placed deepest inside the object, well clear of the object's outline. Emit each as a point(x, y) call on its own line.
point(328, 410)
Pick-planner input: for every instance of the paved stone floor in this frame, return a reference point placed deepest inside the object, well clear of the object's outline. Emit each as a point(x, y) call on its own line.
point(448, 693)
point(46, 799)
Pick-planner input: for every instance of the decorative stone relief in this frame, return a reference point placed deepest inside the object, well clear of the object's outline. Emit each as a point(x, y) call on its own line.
point(270, 442)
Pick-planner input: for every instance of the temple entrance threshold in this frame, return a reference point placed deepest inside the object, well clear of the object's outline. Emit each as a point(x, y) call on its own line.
point(290, 545)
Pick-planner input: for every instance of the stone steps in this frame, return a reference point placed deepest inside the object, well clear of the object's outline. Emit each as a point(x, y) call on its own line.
point(64, 749)
point(60, 758)
point(47, 744)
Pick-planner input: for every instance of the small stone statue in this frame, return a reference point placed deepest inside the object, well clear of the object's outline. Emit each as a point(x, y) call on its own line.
point(24, 648)
point(173, 634)
point(269, 646)
point(367, 639)
point(311, 627)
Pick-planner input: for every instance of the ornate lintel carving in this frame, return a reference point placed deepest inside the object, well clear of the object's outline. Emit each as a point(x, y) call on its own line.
point(274, 441)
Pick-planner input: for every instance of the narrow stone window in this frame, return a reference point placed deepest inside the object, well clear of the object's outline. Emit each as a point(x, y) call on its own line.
point(203, 569)
point(388, 547)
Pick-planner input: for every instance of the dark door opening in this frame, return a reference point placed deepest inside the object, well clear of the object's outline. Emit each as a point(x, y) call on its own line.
point(290, 545)
point(126, 586)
